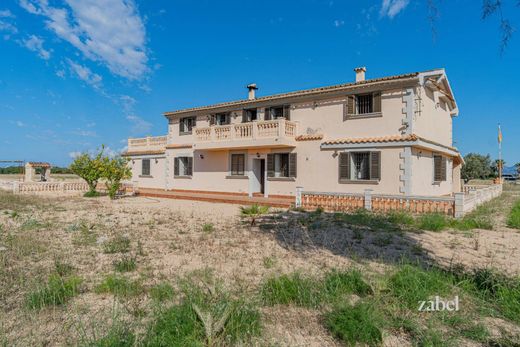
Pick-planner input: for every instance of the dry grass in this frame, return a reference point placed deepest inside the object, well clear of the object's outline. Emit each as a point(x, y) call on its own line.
point(157, 243)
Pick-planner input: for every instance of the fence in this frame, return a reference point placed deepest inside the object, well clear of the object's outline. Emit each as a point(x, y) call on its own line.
point(456, 205)
point(60, 187)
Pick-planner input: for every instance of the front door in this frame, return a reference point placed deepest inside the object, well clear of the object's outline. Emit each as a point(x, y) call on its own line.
point(262, 176)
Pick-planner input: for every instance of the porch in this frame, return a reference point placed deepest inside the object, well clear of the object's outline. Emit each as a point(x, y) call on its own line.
point(220, 197)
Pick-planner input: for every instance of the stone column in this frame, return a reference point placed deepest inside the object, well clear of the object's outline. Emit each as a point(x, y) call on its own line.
point(298, 202)
point(368, 199)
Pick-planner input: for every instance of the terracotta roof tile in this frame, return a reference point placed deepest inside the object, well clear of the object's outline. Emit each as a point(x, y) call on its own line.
point(305, 92)
point(309, 137)
point(393, 138)
point(39, 164)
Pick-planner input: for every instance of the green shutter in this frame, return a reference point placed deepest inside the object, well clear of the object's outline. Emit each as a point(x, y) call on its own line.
point(377, 101)
point(344, 166)
point(351, 104)
point(292, 165)
point(270, 165)
point(176, 166)
point(375, 165)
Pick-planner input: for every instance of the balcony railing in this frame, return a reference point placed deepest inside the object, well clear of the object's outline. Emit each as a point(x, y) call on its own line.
point(147, 143)
point(279, 128)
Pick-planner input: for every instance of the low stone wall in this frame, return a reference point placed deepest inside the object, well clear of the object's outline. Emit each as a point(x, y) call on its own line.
point(473, 196)
point(61, 187)
point(457, 205)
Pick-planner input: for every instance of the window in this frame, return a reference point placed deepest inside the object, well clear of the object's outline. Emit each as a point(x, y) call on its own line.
point(145, 167)
point(439, 168)
point(277, 112)
point(249, 115)
point(186, 125)
point(281, 165)
point(360, 166)
point(183, 167)
point(238, 164)
point(219, 119)
point(364, 104)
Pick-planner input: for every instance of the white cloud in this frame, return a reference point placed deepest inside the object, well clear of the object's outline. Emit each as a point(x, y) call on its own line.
point(338, 23)
point(139, 125)
point(60, 73)
point(391, 8)
point(20, 124)
point(91, 125)
point(6, 14)
point(109, 31)
point(35, 44)
point(85, 74)
point(84, 133)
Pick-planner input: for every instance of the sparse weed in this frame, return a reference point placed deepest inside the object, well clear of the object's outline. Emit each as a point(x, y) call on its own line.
point(513, 220)
point(162, 292)
point(208, 228)
point(119, 286)
point(432, 222)
point(56, 291)
point(291, 289)
point(269, 262)
point(338, 283)
point(125, 264)
point(118, 244)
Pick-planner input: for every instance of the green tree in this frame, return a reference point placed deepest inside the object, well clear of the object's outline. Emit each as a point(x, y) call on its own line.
point(114, 170)
point(476, 166)
point(90, 168)
point(498, 163)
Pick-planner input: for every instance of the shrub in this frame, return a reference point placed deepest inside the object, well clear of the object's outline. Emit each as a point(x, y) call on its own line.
point(399, 217)
point(56, 291)
point(253, 212)
point(269, 262)
point(119, 286)
point(513, 219)
point(411, 284)
point(291, 289)
point(338, 283)
point(432, 222)
point(114, 170)
point(118, 244)
point(162, 292)
point(91, 194)
point(89, 168)
point(354, 325)
point(208, 228)
point(125, 264)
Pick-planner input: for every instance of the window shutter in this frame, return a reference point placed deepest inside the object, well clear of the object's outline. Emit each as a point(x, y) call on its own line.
point(270, 165)
point(212, 119)
point(377, 101)
point(244, 116)
point(287, 112)
point(241, 164)
point(190, 167)
point(292, 165)
point(267, 113)
point(176, 167)
point(375, 165)
point(351, 104)
point(344, 166)
point(437, 168)
point(443, 169)
point(227, 119)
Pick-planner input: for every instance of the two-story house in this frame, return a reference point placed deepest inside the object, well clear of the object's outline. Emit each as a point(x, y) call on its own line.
point(391, 134)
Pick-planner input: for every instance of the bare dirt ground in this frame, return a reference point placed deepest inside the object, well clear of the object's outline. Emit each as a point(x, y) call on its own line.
point(172, 238)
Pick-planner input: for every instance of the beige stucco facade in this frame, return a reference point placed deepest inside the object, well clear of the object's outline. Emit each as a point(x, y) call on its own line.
point(391, 128)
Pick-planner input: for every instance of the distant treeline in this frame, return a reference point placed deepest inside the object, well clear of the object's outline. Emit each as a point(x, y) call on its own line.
point(12, 170)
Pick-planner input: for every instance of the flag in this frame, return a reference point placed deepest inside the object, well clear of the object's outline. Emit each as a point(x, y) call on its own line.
point(499, 134)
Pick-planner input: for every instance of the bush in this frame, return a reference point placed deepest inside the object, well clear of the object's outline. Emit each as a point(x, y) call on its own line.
point(355, 325)
point(399, 217)
point(118, 244)
point(513, 219)
point(291, 289)
point(432, 222)
point(208, 228)
point(56, 291)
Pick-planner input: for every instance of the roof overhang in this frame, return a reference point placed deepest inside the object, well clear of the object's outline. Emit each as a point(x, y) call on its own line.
point(392, 141)
point(437, 81)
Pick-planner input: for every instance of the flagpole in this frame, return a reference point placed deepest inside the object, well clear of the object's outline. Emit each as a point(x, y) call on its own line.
point(500, 154)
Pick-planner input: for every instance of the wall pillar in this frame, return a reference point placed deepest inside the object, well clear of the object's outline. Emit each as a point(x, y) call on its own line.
point(298, 202)
point(459, 205)
point(368, 199)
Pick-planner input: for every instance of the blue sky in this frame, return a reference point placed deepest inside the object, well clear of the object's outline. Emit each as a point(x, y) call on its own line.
point(78, 73)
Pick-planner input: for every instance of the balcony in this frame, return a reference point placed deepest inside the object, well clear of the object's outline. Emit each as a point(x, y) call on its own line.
point(147, 144)
point(270, 133)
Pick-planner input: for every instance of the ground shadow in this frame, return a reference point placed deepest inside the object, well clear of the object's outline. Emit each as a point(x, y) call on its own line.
point(359, 235)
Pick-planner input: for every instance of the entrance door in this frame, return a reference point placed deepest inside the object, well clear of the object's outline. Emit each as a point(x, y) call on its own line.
point(262, 176)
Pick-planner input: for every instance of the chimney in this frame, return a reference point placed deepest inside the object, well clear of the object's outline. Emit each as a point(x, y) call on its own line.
point(360, 73)
point(252, 87)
